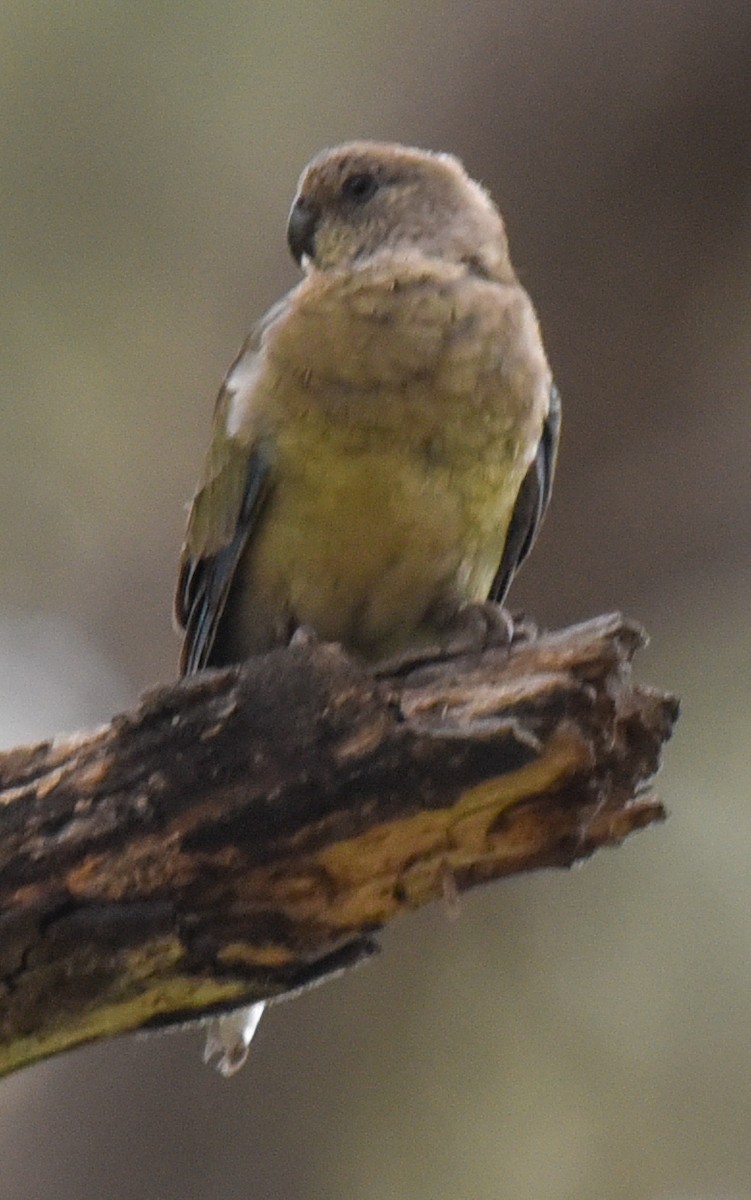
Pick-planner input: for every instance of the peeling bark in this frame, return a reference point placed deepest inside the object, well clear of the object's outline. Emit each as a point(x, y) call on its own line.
point(246, 832)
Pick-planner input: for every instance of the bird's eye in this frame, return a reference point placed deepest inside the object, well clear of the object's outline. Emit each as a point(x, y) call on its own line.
point(359, 188)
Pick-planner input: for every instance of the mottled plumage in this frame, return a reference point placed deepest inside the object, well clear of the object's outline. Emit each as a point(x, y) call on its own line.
point(383, 446)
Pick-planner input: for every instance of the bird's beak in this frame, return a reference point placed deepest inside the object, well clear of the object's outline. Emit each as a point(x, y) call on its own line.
point(301, 230)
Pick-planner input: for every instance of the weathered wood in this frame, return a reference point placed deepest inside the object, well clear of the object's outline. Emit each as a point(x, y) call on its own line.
point(244, 833)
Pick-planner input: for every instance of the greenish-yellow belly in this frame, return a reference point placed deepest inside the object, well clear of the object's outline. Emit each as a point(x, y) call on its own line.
point(373, 547)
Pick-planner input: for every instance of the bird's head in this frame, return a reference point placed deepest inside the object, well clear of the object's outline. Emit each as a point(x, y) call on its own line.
point(364, 198)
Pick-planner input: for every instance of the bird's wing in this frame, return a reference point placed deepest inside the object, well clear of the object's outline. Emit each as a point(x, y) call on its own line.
point(531, 502)
point(225, 510)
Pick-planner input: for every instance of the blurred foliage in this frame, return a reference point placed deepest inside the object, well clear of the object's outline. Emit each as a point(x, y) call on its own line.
point(577, 1036)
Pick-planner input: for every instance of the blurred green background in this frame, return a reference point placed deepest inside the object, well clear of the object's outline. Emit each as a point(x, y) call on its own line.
point(580, 1036)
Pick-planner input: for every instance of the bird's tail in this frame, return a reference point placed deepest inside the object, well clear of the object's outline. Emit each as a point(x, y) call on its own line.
point(229, 1037)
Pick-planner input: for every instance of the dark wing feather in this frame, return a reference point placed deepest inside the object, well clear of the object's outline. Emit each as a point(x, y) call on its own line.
point(227, 507)
point(204, 583)
point(531, 502)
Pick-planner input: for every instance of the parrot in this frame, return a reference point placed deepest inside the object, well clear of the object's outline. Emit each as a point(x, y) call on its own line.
point(383, 445)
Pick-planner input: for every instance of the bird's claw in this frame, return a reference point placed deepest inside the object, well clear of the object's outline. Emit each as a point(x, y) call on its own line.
point(473, 629)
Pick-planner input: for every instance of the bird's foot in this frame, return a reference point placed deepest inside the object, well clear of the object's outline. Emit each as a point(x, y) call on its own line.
point(478, 627)
point(473, 629)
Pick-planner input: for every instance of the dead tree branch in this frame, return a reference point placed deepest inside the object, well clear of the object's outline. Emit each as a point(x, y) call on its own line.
point(245, 833)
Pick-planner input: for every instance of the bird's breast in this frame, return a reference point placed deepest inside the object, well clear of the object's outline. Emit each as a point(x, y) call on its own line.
point(418, 336)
